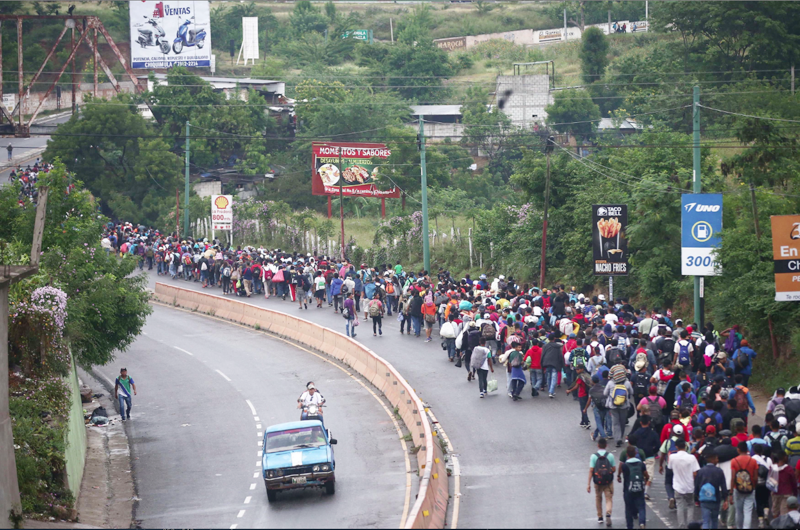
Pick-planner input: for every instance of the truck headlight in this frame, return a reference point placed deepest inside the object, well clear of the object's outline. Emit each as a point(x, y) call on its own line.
point(315, 469)
point(324, 467)
point(274, 473)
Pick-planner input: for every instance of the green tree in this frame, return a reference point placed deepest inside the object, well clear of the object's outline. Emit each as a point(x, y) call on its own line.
point(573, 111)
point(306, 18)
point(125, 163)
point(106, 304)
point(330, 11)
point(593, 54)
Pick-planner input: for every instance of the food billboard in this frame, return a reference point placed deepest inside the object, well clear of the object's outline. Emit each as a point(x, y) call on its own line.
point(356, 172)
point(609, 241)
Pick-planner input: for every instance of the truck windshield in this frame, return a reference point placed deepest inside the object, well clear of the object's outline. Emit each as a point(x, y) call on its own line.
point(295, 439)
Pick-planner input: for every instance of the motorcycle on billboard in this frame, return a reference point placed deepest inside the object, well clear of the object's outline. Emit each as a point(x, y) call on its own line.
point(187, 21)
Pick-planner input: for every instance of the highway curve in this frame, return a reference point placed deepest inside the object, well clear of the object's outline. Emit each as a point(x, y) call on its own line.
point(206, 391)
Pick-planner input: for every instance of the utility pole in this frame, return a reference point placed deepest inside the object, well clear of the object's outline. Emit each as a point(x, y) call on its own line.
point(565, 24)
point(793, 80)
point(341, 197)
point(426, 247)
point(549, 145)
point(697, 188)
point(186, 187)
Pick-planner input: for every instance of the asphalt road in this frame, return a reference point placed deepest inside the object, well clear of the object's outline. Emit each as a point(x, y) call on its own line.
point(25, 149)
point(523, 464)
point(206, 390)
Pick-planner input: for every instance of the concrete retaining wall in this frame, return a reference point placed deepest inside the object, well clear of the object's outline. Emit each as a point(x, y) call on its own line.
point(76, 435)
point(430, 507)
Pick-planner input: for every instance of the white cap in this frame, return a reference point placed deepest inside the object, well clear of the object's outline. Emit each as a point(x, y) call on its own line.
point(782, 421)
point(501, 277)
point(601, 297)
point(678, 429)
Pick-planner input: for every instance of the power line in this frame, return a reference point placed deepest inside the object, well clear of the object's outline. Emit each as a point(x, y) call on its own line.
point(748, 115)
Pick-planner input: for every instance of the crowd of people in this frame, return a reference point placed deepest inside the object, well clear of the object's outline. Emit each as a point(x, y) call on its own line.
point(28, 177)
point(682, 389)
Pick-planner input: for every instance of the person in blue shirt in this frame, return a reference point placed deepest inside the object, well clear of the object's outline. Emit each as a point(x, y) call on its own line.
point(744, 366)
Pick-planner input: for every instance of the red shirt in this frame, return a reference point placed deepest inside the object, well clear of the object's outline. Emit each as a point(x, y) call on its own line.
point(741, 437)
point(582, 390)
point(535, 353)
point(666, 431)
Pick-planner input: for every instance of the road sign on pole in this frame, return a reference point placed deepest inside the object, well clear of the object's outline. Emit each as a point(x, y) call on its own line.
point(701, 224)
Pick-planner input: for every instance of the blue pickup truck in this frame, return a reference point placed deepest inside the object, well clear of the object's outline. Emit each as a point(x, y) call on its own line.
point(298, 454)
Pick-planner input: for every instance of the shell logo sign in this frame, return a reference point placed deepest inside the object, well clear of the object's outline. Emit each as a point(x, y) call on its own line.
point(221, 212)
point(221, 202)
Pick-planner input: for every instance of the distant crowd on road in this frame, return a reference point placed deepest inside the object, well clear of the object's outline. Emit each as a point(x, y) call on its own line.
point(684, 388)
point(27, 178)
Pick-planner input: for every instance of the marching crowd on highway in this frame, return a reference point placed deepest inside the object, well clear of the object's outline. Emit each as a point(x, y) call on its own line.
point(28, 177)
point(682, 389)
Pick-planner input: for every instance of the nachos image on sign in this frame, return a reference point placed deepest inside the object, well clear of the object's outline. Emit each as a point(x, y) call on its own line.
point(609, 243)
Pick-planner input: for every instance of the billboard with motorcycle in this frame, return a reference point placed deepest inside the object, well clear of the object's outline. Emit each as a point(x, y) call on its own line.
point(170, 33)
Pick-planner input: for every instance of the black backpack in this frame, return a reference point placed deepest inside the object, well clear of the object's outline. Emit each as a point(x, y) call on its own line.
point(635, 477)
point(641, 386)
point(602, 474)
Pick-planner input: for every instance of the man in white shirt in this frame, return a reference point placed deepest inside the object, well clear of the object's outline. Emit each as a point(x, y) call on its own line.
point(310, 397)
point(612, 319)
point(684, 468)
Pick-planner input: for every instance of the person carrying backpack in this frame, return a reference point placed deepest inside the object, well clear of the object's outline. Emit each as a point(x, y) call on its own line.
point(743, 361)
point(601, 473)
point(710, 490)
point(741, 395)
point(375, 312)
point(618, 392)
point(634, 478)
point(683, 351)
point(744, 479)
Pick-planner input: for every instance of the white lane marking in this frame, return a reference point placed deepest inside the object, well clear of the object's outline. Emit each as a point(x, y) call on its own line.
point(258, 464)
point(228, 379)
point(256, 418)
point(233, 526)
point(260, 443)
point(258, 426)
point(184, 351)
point(240, 514)
point(253, 486)
point(259, 454)
point(252, 408)
point(259, 434)
point(247, 500)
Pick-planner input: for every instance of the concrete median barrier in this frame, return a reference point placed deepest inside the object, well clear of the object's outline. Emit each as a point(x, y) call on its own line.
point(430, 507)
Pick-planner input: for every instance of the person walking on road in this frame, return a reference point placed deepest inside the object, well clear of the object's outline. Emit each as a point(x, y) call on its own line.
point(552, 362)
point(9, 148)
point(481, 362)
point(601, 472)
point(711, 490)
point(744, 479)
point(634, 477)
point(350, 314)
point(618, 392)
point(684, 469)
point(375, 312)
point(122, 392)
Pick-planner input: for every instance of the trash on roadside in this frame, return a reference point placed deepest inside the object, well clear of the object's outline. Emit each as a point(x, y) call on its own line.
point(99, 416)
